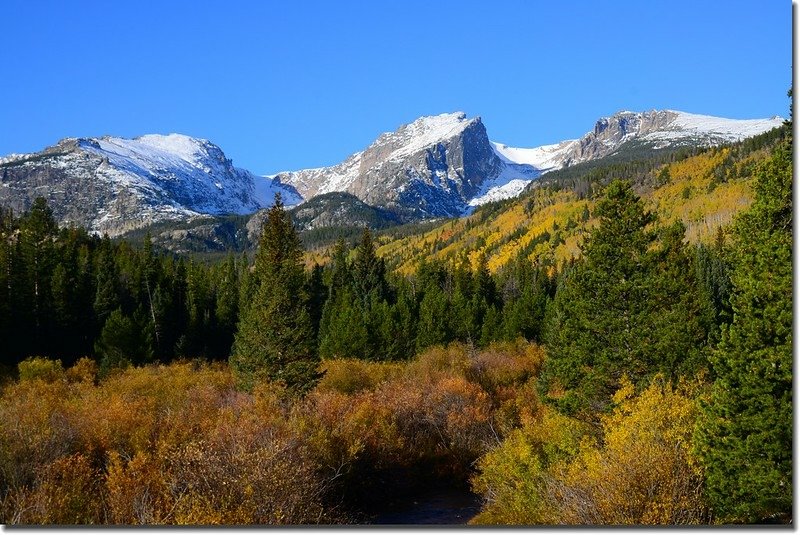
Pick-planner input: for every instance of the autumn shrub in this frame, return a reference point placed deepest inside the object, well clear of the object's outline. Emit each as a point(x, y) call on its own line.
point(452, 358)
point(232, 479)
point(36, 430)
point(406, 424)
point(85, 370)
point(65, 492)
point(136, 490)
point(40, 368)
point(139, 408)
point(643, 471)
point(637, 470)
point(505, 364)
point(154, 445)
point(179, 444)
point(516, 478)
point(444, 416)
point(507, 371)
point(349, 376)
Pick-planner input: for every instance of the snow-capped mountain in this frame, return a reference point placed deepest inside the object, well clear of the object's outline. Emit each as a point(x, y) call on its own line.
point(435, 166)
point(113, 185)
point(445, 165)
point(656, 129)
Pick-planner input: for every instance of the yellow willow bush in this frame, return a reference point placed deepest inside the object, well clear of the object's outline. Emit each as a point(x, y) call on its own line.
point(36, 429)
point(66, 491)
point(643, 471)
point(507, 371)
point(515, 478)
point(440, 411)
point(349, 376)
point(178, 444)
point(638, 471)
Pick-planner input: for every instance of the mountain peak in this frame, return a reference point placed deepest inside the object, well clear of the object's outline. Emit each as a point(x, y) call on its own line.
point(113, 184)
point(425, 132)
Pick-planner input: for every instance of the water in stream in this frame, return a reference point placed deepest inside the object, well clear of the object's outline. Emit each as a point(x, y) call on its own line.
point(435, 506)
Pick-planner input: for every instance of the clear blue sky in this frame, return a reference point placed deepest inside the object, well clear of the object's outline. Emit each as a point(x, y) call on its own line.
point(285, 85)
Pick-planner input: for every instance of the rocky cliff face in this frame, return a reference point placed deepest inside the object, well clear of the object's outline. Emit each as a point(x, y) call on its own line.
point(431, 167)
point(114, 185)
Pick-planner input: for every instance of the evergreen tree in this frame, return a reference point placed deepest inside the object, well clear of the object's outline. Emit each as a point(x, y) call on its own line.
point(227, 307)
point(434, 320)
point(399, 328)
point(106, 298)
point(275, 339)
point(369, 271)
point(38, 232)
point(122, 343)
point(745, 435)
point(628, 308)
point(345, 332)
point(317, 293)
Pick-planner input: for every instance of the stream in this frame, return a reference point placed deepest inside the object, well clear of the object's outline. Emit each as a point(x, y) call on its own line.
point(436, 506)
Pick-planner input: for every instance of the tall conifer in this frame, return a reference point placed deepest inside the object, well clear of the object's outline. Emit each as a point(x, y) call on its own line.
point(275, 339)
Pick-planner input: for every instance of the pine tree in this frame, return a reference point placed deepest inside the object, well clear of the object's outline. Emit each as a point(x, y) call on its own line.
point(434, 320)
point(122, 343)
point(38, 231)
point(275, 339)
point(317, 293)
point(369, 271)
point(745, 435)
point(227, 307)
point(345, 332)
point(629, 308)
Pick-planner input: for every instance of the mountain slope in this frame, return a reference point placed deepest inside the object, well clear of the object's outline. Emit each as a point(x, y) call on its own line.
point(445, 165)
point(433, 167)
point(547, 224)
point(654, 129)
point(113, 185)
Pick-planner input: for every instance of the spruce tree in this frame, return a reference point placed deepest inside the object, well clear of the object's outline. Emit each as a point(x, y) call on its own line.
point(629, 307)
point(275, 339)
point(38, 231)
point(745, 434)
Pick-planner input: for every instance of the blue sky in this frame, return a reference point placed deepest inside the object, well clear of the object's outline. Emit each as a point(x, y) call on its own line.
point(288, 85)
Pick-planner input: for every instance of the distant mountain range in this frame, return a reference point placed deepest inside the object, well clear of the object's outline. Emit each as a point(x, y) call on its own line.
point(439, 166)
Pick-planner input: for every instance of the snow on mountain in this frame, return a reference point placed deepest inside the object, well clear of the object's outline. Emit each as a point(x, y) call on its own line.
point(423, 133)
point(113, 184)
point(432, 167)
point(445, 165)
point(544, 158)
point(715, 129)
point(435, 166)
point(657, 129)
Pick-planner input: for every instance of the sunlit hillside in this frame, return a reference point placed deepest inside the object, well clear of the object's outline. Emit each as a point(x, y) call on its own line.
point(547, 225)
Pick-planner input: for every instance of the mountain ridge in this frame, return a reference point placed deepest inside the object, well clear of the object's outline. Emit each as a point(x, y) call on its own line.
point(113, 185)
point(436, 166)
point(421, 153)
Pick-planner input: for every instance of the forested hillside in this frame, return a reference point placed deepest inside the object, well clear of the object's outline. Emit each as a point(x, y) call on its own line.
point(703, 189)
point(611, 348)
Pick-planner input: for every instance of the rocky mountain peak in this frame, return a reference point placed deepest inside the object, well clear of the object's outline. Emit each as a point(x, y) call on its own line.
point(114, 185)
point(431, 167)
